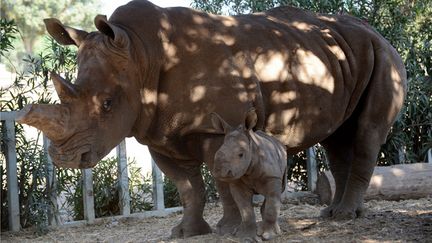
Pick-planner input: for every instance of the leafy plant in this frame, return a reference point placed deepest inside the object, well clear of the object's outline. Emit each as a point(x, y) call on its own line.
point(30, 86)
point(171, 195)
point(140, 189)
point(210, 184)
point(105, 189)
point(8, 31)
point(31, 162)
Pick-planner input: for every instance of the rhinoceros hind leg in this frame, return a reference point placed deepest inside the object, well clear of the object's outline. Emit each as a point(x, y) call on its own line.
point(359, 139)
point(335, 212)
point(366, 148)
point(339, 151)
point(352, 151)
point(352, 160)
point(187, 177)
point(352, 172)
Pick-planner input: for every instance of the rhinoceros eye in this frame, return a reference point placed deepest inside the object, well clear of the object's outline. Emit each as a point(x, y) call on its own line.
point(107, 105)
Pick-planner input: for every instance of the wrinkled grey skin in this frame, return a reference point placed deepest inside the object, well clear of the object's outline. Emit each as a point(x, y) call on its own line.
point(251, 162)
point(156, 73)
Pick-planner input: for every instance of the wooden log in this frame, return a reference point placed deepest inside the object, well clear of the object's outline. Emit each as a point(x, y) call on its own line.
point(403, 181)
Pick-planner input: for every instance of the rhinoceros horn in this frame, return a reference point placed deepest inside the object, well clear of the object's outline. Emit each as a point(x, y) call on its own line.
point(50, 119)
point(65, 89)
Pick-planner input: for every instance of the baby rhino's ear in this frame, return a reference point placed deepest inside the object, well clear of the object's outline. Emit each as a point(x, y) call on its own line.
point(251, 119)
point(219, 124)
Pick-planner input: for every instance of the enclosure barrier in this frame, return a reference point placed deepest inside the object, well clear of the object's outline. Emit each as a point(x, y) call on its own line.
point(11, 170)
point(8, 120)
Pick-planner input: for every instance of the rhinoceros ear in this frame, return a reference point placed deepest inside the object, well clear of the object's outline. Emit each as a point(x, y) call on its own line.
point(63, 34)
point(117, 34)
point(251, 119)
point(219, 124)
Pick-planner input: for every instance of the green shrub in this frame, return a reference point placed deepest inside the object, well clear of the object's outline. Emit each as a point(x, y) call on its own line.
point(209, 183)
point(105, 189)
point(8, 32)
point(171, 195)
point(140, 189)
point(31, 161)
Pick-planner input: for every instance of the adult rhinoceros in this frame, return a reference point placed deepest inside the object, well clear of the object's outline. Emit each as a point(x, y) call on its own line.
point(155, 74)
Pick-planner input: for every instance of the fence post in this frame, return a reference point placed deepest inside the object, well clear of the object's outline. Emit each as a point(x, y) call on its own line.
point(88, 195)
point(429, 156)
point(53, 217)
point(158, 191)
point(312, 167)
point(123, 179)
point(12, 176)
point(400, 158)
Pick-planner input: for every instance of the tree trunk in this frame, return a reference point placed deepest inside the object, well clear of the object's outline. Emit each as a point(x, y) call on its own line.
point(29, 43)
point(403, 181)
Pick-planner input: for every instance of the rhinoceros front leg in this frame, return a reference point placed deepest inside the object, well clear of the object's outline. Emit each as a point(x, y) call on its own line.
point(269, 227)
point(187, 177)
point(247, 230)
point(231, 215)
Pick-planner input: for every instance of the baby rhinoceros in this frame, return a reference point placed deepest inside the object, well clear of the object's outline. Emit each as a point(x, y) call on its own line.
point(251, 162)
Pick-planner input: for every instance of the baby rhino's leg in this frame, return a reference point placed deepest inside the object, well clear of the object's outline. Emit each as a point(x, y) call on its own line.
point(269, 228)
point(243, 197)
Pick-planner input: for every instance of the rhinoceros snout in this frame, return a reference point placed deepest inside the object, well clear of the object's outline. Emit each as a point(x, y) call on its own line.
point(222, 171)
point(81, 159)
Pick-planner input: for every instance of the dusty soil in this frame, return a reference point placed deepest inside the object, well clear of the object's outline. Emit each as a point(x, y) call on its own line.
point(385, 221)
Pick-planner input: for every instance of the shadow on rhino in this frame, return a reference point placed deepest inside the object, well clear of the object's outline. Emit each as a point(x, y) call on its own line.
point(157, 73)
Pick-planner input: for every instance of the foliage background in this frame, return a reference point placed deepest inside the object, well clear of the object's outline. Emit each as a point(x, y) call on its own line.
point(405, 23)
point(28, 16)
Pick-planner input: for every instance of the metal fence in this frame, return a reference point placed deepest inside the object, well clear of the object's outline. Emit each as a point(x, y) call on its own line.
point(8, 118)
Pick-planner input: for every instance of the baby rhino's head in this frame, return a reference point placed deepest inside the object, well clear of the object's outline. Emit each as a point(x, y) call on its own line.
point(234, 156)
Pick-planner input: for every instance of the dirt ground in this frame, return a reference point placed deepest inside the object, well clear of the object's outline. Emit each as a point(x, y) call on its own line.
point(385, 221)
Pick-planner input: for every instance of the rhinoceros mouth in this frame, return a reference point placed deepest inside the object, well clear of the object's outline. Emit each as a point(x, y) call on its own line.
point(88, 160)
point(75, 152)
point(226, 175)
point(79, 159)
